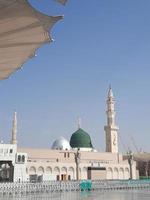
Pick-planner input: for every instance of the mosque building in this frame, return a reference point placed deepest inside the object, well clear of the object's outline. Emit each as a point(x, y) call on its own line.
point(76, 159)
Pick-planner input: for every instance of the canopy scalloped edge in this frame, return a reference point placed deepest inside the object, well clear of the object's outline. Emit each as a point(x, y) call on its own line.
point(22, 31)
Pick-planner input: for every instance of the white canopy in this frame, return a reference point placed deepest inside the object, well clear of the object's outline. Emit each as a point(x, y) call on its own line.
point(22, 31)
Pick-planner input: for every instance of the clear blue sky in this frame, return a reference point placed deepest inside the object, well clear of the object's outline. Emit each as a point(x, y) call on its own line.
point(99, 42)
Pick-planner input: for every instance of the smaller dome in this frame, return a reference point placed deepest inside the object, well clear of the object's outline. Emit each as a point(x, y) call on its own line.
point(61, 144)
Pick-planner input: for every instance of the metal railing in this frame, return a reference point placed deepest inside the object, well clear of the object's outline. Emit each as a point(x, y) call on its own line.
point(59, 186)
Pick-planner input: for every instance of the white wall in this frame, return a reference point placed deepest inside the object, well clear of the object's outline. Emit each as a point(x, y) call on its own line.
point(20, 173)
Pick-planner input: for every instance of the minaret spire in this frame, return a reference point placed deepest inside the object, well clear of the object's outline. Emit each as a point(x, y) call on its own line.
point(14, 129)
point(111, 129)
point(110, 108)
point(110, 92)
point(79, 122)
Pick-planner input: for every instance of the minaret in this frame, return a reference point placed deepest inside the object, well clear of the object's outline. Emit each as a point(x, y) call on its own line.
point(111, 129)
point(14, 129)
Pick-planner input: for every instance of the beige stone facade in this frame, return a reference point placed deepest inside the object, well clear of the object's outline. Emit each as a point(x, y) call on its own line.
point(61, 165)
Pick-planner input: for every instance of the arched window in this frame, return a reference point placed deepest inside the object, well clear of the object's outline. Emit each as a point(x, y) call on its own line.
point(109, 173)
point(121, 173)
point(71, 174)
point(127, 173)
point(40, 170)
point(23, 158)
point(19, 158)
point(32, 170)
point(49, 170)
point(64, 170)
point(116, 173)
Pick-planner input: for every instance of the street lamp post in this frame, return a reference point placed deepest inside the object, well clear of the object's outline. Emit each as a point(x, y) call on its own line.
point(77, 160)
point(130, 161)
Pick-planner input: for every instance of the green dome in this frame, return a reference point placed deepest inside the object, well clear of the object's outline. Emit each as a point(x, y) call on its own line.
point(80, 139)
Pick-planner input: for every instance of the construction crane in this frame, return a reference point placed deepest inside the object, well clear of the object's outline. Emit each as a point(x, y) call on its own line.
point(135, 146)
